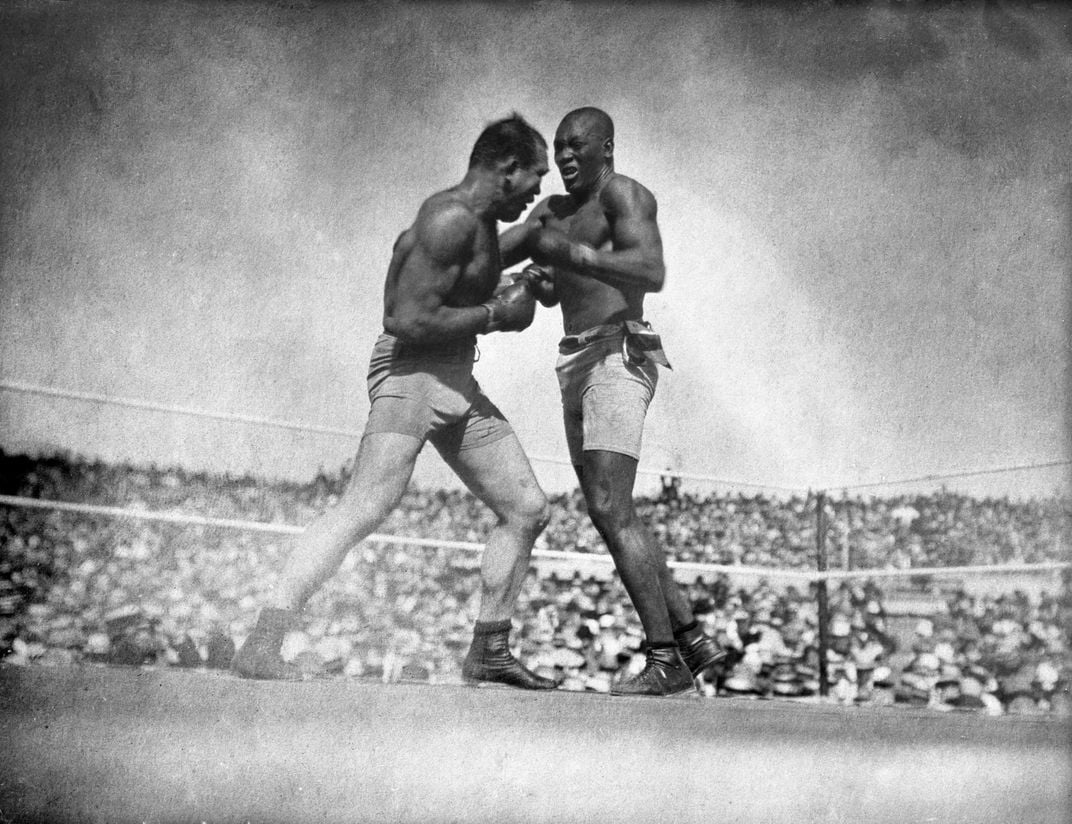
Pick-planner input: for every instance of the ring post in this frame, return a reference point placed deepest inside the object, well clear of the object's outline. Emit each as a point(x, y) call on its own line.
point(820, 589)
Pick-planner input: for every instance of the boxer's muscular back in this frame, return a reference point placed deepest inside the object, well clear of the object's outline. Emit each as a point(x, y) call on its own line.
point(448, 257)
point(585, 301)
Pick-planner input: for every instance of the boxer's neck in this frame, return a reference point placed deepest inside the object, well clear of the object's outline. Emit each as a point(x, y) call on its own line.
point(592, 190)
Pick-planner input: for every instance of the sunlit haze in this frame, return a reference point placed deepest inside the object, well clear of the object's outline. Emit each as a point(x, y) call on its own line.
point(865, 212)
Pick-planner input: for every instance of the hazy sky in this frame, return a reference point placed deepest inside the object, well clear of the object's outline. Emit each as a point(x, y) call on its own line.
point(865, 213)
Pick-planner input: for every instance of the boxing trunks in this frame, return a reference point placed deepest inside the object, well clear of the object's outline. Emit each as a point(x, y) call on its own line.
point(607, 376)
point(429, 392)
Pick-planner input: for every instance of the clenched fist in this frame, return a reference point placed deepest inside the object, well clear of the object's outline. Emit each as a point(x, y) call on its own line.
point(551, 247)
point(511, 310)
point(541, 280)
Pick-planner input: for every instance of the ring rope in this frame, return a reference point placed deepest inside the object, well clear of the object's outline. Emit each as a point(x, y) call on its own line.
point(685, 476)
point(136, 403)
point(964, 474)
point(1041, 566)
point(295, 426)
point(551, 554)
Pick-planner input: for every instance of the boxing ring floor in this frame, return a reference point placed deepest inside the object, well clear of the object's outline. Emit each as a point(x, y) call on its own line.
point(98, 744)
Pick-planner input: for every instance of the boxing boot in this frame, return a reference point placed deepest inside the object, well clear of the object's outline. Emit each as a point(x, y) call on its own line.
point(259, 656)
point(698, 650)
point(490, 659)
point(664, 673)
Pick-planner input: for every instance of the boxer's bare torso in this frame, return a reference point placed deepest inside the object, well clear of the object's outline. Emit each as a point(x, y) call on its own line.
point(448, 255)
point(587, 302)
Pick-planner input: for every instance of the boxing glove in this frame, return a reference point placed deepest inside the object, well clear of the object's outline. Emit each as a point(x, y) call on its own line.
point(511, 310)
point(541, 280)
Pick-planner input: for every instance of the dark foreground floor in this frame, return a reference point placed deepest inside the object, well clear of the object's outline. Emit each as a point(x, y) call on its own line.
point(116, 745)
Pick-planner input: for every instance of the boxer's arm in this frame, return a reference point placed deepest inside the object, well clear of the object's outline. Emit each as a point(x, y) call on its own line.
point(541, 282)
point(635, 259)
point(515, 244)
point(442, 246)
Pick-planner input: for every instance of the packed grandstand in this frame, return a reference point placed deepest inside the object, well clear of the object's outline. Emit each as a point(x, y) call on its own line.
point(88, 588)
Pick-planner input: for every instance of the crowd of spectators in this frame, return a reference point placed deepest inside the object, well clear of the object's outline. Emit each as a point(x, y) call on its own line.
point(82, 588)
point(900, 532)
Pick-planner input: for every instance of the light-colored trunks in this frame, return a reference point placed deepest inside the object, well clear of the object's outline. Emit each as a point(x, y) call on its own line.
point(605, 392)
point(431, 394)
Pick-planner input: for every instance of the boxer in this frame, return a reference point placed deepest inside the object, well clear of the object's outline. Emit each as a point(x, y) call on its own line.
point(442, 290)
point(597, 252)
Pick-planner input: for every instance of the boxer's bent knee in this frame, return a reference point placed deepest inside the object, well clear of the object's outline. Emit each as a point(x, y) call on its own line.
point(528, 510)
point(611, 516)
point(609, 500)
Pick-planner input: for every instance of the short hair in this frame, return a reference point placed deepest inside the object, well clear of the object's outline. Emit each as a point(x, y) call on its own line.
point(597, 116)
point(510, 137)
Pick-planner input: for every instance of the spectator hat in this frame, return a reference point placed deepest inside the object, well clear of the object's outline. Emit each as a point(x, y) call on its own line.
point(1022, 682)
point(98, 643)
point(122, 619)
point(945, 652)
point(563, 657)
point(787, 688)
point(951, 671)
point(882, 676)
point(785, 680)
point(1047, 676)
point(808, 678)
point(741, 681)
point(1023, 705)
point(913, 689)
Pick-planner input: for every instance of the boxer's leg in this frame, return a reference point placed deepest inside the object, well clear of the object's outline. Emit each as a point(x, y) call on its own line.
point(382, 470)
point(607, 480)
point(381, 473)
point(499, 474)
point(613, 399)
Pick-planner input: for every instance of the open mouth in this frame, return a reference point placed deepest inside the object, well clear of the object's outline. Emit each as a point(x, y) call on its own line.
point(569, 173)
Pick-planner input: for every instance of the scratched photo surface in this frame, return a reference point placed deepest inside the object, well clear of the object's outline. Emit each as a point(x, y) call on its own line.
point(865, 216)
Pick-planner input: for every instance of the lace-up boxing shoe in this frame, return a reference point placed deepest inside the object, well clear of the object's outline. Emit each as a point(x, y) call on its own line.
point(664, 673)
point(698, 650)
point(259, 656)
point(490, 659)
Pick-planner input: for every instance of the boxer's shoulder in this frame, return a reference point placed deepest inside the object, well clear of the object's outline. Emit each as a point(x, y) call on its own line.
point(446, 226)
point(623, 192)
point(559, 206)
point(446, 208)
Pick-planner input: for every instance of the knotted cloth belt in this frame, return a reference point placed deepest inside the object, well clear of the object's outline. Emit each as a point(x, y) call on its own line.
point(458, 348)
point(639, 342)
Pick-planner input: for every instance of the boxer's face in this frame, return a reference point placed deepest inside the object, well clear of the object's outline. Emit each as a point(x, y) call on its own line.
point(580, 153)
point(521, 187)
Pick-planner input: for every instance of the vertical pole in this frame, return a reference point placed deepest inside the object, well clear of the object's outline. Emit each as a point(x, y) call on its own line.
point(846, 548)
point(820, 590)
